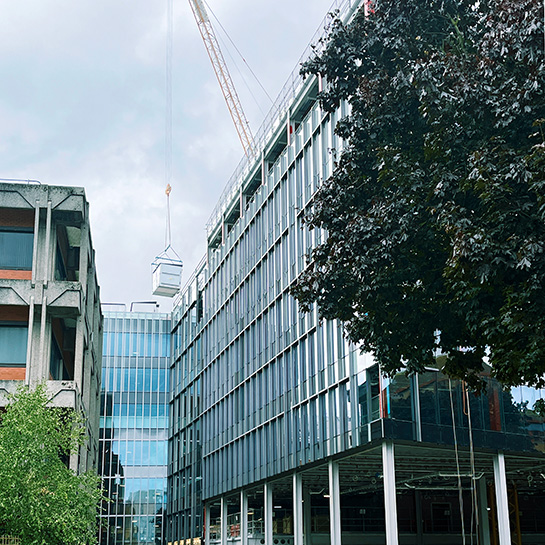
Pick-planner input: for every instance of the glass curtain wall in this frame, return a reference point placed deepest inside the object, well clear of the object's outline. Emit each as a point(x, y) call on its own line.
point(276, 382)
point(184, 511)
point(134, 427)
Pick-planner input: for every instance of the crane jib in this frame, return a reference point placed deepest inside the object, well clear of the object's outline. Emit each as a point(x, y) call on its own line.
point(222, 74)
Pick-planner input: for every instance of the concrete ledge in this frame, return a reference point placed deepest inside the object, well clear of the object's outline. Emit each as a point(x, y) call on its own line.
point(8, 387)
point(63, 393)
point(15, 292)
point(64, 295)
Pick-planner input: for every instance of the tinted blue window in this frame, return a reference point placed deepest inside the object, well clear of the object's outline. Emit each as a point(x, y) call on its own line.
point(16, 249)
point(129, 372)
point(13, 343)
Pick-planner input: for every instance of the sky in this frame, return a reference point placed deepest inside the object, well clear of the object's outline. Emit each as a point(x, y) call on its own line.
point(82, 103)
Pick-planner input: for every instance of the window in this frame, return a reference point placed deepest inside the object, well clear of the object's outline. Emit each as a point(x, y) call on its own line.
point(13, 343)
point(60, 268)
point(16, 246)
point(56, 366)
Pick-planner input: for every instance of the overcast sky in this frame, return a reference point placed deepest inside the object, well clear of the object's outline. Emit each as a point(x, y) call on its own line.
point(82, 102)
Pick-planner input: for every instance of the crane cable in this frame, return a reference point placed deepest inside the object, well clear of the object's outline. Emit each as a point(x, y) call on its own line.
point(242, 57)
point(168, 117)
point(168, 238)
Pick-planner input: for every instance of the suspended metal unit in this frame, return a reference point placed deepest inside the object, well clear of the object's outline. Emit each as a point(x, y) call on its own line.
point(167, 267)
point(167, 273)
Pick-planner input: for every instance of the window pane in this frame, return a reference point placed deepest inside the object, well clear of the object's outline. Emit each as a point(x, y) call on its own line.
point(16, 249)
point(13, 340)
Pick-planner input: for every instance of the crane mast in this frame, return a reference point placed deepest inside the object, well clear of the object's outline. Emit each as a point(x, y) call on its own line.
point(224, 78)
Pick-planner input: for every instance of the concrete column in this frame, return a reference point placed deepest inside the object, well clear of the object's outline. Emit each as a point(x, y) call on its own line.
point(223, 509)
point(390, 505)
point(268, 513)
point(79, 352)
point(35, 242)
point(29, 341)
point(482, 498)
point(502, 504)
point(298, 509)
point(84, 251)
point(39, 367)
point(334, 503)
point(82, 356)
point(307, 518)
point(48, 250)
point(243, 518)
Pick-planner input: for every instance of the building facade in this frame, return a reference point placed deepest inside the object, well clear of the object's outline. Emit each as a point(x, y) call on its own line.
point(282, 432)
point(50, 318)
point(134, 427)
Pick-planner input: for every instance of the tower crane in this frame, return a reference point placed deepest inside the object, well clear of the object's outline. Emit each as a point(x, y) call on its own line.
point(224, 78)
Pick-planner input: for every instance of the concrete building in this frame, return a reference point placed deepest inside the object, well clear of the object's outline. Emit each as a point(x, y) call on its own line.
point(134, 427)
point(50, 318)
point(283, 433)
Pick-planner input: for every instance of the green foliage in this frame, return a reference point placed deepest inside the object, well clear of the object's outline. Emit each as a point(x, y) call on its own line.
point(539, 407)
point(42, 501)
point(435, 212)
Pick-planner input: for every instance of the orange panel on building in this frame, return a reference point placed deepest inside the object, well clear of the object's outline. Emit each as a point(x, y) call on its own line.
point(15, 275)
point(12, 373)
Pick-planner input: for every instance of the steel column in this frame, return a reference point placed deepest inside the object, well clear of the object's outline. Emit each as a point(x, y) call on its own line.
point(243, 517)
point(298, 509)
point(223, 509)
point(390, 505)
point(502, 504)
point(268, 515)
point(334, 503)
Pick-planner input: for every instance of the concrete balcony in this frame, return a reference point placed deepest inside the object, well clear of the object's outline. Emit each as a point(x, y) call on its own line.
point(64, 297)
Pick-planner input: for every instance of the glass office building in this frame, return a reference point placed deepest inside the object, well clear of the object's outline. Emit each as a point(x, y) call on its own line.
point(284, 433)
point(134, 427)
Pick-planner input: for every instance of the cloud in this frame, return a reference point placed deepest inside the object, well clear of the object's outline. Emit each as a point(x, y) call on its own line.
point(82, 102)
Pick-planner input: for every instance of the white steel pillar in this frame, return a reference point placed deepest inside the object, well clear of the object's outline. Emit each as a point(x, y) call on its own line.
point(502, 505)
point(334, 503)
point(390, 505)
point(206, 524)
point(268, 515)
point(223, 509)
point(297, 509)
point(243, 517)
point(484, 529)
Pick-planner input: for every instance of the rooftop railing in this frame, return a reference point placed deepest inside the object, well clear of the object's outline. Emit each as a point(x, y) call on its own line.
point(344, 9)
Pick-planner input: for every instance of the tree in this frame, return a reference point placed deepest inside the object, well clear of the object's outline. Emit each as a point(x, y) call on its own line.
point(435, 212)
point(42, 501)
